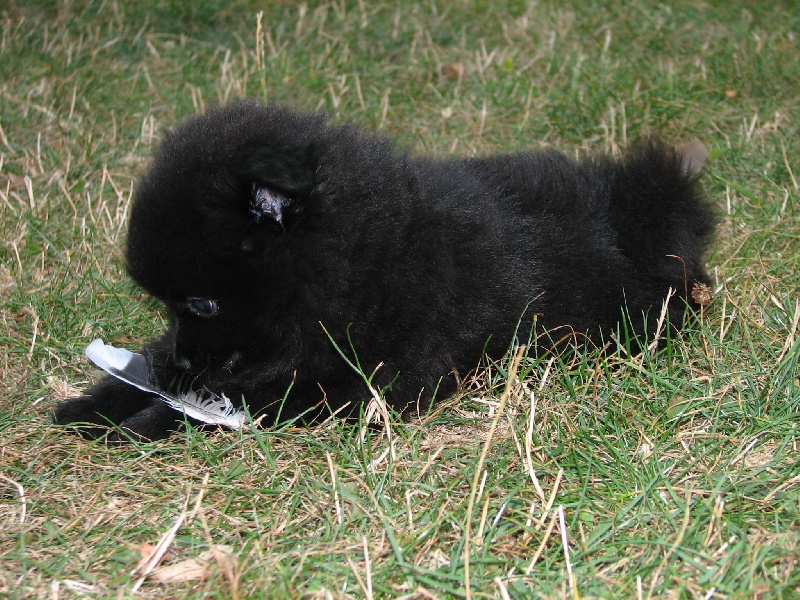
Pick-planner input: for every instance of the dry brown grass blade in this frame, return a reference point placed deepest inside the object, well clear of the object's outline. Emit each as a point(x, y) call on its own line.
point(512, 375)
point(195, 569)
point(147, 566)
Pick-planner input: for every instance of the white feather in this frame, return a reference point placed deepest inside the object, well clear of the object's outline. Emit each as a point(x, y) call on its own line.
point(203, 405)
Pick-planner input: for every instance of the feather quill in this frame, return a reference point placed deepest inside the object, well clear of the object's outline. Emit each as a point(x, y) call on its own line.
point(132, 368)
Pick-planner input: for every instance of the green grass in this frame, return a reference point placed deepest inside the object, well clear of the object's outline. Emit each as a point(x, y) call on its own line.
point(674, 476)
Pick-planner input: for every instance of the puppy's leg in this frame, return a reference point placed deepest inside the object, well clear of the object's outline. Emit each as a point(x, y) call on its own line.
point(105, 404)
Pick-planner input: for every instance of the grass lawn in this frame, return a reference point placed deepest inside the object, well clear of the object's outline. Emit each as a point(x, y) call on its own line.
point(667, 476)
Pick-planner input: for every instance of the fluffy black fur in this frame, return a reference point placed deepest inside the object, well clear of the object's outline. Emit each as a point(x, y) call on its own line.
point(257, 225)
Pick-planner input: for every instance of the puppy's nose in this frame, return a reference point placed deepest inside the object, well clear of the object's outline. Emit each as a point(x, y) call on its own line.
point(182, 363)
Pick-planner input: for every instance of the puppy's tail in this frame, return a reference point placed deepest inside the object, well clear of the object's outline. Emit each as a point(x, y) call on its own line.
point(664, 225)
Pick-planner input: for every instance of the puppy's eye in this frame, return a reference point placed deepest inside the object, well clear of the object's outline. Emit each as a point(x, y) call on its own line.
point(203, 307)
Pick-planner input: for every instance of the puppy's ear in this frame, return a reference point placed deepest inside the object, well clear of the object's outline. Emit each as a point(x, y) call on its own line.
point(282, 178)
point(693, 157)
point(269, 204)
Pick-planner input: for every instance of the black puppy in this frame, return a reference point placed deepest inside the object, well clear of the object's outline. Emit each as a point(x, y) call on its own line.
point(258, 225)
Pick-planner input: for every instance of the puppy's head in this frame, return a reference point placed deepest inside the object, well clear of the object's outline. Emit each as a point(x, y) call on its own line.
point(210, 225)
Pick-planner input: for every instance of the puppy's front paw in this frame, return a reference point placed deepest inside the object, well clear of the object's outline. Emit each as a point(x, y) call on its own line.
point(85, 412)
point(112, 403)
point(93, 418)
point(83, 409)
point(94, 414)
